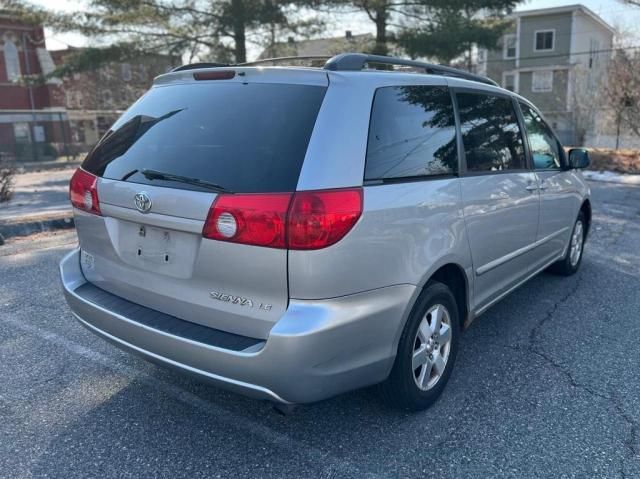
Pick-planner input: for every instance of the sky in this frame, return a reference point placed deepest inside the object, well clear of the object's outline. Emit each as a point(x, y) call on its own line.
point(623, 17)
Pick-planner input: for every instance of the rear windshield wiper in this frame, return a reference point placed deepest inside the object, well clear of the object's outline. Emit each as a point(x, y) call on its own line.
point(159, 175)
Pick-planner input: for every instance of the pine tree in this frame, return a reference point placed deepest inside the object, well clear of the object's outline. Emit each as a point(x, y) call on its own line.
point(447, 29)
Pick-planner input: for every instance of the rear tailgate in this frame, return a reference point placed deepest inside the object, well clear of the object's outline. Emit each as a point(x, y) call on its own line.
point(246, 135)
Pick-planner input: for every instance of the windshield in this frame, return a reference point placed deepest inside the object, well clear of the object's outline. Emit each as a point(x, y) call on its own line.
point(248, 138)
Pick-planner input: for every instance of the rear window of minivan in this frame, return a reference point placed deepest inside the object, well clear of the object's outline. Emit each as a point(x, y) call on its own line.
point(245, 137)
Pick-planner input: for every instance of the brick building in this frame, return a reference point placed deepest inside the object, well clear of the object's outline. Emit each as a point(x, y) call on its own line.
point(33, 120)
point(95, 99)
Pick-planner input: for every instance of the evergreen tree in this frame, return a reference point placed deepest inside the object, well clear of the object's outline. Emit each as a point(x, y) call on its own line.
point(447, 29)
point(199, 30)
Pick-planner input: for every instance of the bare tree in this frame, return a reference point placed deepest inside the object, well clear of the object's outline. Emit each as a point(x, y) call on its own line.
point(622, 92)
point(585, 114)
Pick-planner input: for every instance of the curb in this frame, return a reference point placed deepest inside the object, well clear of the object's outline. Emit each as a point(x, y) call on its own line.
point(35, 225)
point(45, 166)
point(612, 177)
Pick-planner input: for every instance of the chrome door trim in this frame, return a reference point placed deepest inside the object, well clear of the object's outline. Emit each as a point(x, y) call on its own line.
point(482, 309)
point(514, 254)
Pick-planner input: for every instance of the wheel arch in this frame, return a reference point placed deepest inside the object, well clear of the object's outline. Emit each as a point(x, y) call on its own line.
point(453, 275)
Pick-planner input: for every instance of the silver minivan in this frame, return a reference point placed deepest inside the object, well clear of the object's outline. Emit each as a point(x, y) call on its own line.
point(294, 233)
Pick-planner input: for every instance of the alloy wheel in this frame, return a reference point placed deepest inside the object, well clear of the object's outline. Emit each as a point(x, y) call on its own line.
point(577, 241)
point(432, 346)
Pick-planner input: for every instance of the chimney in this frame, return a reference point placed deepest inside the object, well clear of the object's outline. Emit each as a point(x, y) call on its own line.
point(290, 40)
point(348, 35)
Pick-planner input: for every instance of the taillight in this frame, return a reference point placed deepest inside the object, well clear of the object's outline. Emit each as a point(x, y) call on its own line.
point(256, 219)
point(318, 219)
point(304, 220)
point(83, 192)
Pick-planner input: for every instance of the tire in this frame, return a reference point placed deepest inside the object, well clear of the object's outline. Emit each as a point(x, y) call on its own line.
point(570, 263)
point(401, 389)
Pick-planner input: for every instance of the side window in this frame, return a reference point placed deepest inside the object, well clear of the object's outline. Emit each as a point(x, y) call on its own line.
point(544, 40)
point(490, 133)
point(545, 149)
point(412, 133)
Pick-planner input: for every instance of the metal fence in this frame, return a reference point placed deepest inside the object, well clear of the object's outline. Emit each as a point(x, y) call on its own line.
point(64, 135)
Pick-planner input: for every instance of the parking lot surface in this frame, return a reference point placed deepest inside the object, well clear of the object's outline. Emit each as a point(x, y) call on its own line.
point(38, 193)
point(547, 384)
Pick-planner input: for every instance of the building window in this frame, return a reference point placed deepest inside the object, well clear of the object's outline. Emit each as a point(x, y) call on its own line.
point(11, 60)
point(594, 46)
point(510, 44)
point(125, 71)
point(542, 81)
point(544, 40)
point(509, 82)
point(21, 132)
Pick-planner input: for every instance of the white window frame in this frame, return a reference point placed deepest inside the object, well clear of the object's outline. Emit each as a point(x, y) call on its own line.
point(505, 47)
point(541, 90)
point(553, 40)
point(12, 61)
point(516, 80)
point(21, 132)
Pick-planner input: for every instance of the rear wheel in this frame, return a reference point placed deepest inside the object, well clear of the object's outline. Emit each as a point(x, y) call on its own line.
point(573, 257)
point(426, 352)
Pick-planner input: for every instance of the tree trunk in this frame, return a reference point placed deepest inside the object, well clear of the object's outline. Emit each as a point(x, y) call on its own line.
point(381, 31)
point(272, 40)
point(618, 121)
point(239, 35)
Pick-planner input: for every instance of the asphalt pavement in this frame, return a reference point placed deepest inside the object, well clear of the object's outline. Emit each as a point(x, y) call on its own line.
point(547, 384)
point(38, 193)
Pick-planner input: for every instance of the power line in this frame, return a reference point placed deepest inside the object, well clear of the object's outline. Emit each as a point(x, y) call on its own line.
point(561, 55)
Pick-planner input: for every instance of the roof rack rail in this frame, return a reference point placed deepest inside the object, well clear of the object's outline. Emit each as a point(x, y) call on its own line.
point(358, 61)
point(193, 66)
point(284, 59)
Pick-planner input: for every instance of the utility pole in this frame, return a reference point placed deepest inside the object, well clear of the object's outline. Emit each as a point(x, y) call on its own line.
point(34, 148)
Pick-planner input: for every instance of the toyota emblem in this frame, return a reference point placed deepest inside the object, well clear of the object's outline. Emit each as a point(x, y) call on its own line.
point(142, 202)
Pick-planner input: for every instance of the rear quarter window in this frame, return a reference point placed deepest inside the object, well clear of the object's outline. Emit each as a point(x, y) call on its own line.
point(249, 138)
point(411, 134)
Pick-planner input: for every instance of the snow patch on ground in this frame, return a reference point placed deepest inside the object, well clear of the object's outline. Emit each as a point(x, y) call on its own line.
point(612, 177)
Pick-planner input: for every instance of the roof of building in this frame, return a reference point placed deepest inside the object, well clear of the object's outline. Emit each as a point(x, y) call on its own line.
point(320, 46)
point(566, 9)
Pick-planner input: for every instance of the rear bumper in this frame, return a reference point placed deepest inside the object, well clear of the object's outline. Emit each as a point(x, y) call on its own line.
point(317, 349)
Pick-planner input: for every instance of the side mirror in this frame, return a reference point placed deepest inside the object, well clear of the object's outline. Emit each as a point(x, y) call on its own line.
point(578, 158)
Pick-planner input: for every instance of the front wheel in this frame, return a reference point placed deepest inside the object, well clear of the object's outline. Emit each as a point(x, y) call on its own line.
point(573, 257)
point(426, 351)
